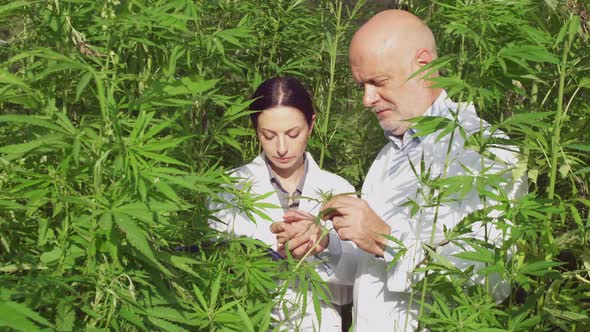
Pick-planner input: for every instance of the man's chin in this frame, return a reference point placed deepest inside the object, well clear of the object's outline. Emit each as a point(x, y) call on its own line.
point(392, 128)
point(396, 129)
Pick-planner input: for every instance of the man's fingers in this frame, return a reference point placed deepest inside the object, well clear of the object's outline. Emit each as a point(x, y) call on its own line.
point(336, 206)
point(340, 206)
point(344, 234)
point(339, 222)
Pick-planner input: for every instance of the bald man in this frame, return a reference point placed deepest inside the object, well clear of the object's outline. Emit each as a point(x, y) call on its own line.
point(384, 54)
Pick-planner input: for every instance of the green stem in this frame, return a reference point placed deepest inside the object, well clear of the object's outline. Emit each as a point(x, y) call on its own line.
point(557, 124)
point(324, 233)
point(435, 219)
point(535, 89)
point(333, 49)
point(555, 150)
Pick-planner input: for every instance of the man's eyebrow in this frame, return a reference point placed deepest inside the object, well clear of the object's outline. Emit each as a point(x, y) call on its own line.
point(371, 80)
point(375, 79)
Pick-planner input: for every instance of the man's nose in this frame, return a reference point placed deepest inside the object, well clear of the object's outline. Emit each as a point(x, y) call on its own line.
point(282, 146)
point(371, 96)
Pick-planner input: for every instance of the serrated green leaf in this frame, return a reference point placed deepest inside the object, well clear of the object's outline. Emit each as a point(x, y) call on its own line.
point(137, 238)
point(23, 148)
point(132, 317)
point(20, 315)
point(161, 158)
point(567, 315)
point(82, 84)
point(14, 319)
point(51, 257)
point(8, 78)
point(215, 291)
point(541, 268)
point(166, 325)
point(584, 83)
point(137, 210)
point(200, 297)
point(30, 120)
point(11, 6)
point(167, 190)
point(66, 316)
point(245, 319)
point(169, 314)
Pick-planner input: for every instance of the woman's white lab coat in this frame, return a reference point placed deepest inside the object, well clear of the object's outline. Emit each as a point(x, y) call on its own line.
point(316, 181)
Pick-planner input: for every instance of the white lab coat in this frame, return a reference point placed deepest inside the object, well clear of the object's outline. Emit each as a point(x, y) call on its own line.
point(382, 298)
point(316, 181)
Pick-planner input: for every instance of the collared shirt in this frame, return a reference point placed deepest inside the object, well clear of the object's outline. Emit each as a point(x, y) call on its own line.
point(330, 256)
point(408, 140)
point(401, 143)
point(398, 189)
point(230, 219)
point(407, 155)
point(288, 200)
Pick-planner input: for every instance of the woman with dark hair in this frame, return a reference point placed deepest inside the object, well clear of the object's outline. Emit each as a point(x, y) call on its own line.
point(284, 117)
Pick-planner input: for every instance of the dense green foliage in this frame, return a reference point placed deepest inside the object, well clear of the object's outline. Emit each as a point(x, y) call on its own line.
point(118, 120)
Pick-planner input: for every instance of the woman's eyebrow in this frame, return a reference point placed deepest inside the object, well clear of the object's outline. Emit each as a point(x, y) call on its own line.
point(268, 130)
point(274, 132)
point(292, 129)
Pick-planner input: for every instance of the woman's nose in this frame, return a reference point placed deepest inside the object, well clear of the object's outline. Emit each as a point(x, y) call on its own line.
point(282, 148)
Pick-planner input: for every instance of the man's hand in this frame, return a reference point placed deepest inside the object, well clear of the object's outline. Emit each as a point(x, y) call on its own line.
point(299, 232)
point(355, 221)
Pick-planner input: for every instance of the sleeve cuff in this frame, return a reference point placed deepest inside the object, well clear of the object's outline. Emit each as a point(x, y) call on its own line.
point(391, 248)
point(331, 255)
point(334, 248)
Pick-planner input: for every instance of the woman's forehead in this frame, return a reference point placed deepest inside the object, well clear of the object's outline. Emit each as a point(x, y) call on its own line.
point(281, 118)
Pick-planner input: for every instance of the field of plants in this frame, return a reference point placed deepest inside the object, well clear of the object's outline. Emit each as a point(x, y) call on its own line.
point(119, 120)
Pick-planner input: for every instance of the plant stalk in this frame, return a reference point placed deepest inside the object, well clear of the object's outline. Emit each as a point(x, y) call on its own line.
point(331, 84)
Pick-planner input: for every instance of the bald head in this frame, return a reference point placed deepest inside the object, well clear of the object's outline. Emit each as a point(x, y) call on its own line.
point(394, 33)
point(384, 54)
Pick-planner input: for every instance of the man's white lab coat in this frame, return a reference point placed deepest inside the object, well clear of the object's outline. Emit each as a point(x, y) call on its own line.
point(382, 300)
point(316, 181)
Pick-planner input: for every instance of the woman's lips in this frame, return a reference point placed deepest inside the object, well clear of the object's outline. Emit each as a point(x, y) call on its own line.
point(283, 160)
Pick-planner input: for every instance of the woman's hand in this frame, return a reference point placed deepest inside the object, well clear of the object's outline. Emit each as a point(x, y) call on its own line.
point(299, 233)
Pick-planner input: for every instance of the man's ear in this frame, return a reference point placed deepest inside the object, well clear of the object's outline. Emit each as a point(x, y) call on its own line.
point(424, 57)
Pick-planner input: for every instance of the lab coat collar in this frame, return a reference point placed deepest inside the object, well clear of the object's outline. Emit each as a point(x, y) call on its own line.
point(261, 184)
point(310, 198)
point(275, 180)
point(438, 108)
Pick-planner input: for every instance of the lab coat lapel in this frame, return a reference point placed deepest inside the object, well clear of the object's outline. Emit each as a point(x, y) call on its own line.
point(262, 185)
point(311, 188)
